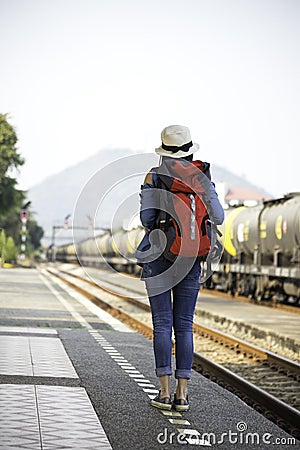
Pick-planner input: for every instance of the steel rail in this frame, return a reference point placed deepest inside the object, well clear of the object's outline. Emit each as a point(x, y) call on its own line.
point(284, 414)
point(272, 359)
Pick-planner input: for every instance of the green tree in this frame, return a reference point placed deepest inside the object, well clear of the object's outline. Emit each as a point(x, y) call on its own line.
point(11, 198)
point(9, 156)
point(35, 233)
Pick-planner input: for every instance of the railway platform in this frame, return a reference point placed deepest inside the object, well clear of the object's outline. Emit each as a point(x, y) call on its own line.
point(71, 376)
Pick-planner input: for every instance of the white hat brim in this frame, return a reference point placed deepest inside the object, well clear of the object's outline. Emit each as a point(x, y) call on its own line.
point(162, 152)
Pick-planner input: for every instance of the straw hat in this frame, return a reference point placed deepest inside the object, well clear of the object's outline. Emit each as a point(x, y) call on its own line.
point(176, 142)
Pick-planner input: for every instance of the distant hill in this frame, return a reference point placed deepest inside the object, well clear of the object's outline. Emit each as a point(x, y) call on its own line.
point(57, 196)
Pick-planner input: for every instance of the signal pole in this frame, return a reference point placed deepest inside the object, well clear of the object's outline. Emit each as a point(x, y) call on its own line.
point(24, 219)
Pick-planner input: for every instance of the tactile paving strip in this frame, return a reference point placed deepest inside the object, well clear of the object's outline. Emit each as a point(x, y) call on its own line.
point(68, 419)
point(50, 358)
point(49, 417)
point(15, 358)
point(34, 356)
point(19, 426)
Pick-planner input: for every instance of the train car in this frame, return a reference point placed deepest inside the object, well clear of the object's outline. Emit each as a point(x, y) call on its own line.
point(124, 244)
point(262, 251)
point(64, 253)
point(261, 256)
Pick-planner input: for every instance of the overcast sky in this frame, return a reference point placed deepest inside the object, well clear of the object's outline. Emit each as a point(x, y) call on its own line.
point(81, 75)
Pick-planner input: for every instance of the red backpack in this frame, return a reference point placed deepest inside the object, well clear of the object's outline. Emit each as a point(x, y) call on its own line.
point(184, 208)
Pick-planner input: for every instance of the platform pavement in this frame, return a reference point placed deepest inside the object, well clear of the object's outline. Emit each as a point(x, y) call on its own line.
point(102, 400)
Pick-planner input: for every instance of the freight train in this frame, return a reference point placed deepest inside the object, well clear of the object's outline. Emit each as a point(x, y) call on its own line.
point(261, 257)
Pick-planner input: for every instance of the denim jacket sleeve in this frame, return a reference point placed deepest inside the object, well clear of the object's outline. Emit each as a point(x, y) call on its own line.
point(149, 206)
point(216, 205)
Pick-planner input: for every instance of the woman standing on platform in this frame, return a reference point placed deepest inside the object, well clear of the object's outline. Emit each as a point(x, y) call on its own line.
point(173, 283)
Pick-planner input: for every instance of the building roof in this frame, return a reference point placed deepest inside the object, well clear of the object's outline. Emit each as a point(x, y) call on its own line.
point(242, 194)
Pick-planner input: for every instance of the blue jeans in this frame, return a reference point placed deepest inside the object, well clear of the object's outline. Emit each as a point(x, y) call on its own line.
point(178, 314)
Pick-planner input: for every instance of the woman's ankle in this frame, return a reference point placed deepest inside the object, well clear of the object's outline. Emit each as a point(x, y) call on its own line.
point(164, 386)
point(164, 393)
point(181, 389)
point(181, 395)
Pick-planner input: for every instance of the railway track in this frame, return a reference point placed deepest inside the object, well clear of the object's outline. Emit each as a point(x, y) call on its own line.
point(268, 382)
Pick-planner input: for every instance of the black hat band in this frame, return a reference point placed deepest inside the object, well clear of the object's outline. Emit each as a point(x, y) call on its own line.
point(174, 149)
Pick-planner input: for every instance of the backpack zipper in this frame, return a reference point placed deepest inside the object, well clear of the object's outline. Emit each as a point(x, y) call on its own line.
point(193, 217)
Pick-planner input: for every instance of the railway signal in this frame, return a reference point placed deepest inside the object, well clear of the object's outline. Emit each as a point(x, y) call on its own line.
point(24, 220)
point(24, 216)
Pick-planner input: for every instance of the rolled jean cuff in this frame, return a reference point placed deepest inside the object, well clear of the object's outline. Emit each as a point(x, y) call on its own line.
point(161, 371)
point(183, 373)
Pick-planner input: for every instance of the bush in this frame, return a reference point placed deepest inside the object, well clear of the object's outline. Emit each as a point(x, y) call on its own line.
point(10, 250)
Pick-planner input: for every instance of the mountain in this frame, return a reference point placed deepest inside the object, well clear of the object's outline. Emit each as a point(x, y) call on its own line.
point(104, 189)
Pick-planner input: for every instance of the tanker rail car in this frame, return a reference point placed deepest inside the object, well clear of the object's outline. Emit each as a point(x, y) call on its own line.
point(262, 251)
point(115, 249)
point(261, 258)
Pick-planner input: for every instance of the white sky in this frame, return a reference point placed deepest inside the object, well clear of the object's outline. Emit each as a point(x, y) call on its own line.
point(81, 75)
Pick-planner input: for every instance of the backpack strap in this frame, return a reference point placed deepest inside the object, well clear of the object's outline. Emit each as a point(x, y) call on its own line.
point(163, 220)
